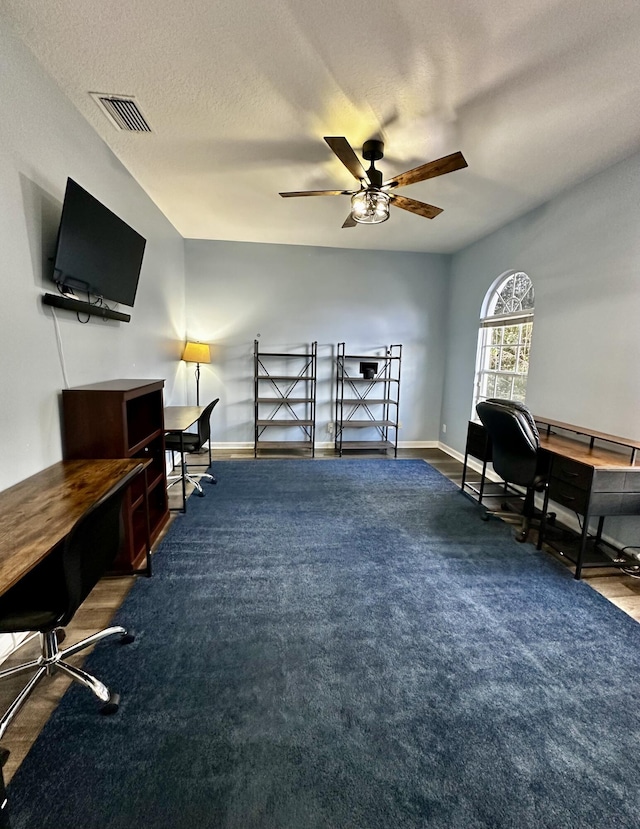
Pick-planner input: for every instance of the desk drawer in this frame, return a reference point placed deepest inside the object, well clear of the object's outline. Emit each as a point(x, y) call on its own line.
point(478, 444)
point(571, 472)
point(615, 503)
point(571, 497)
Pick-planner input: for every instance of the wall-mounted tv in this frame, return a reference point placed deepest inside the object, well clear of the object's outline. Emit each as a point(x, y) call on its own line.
point(97, 253)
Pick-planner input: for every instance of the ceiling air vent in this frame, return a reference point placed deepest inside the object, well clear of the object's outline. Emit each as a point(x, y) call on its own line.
point(122, 111)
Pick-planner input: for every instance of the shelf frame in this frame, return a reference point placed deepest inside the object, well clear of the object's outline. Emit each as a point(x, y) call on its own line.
point(382, 412)
point(284, 406)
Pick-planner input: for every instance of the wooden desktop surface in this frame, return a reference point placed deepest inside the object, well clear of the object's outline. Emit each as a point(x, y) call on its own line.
point(39, 512)
point(576, 450)
point(179, 418)
point(582, 430)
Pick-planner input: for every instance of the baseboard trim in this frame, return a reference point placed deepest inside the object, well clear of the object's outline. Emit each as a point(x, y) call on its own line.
point(472, 463)
point(329, 444)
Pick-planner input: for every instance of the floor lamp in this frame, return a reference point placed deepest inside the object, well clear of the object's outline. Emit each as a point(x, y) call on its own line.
point(197, 353)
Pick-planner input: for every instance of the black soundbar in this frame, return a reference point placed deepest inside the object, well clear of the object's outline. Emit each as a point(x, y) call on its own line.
point(84, 307)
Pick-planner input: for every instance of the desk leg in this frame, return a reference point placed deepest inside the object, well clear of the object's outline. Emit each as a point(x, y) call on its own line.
point(464, 471)
point(583, 546)
point(483, 480)
point(184, 473)
point(543, 519)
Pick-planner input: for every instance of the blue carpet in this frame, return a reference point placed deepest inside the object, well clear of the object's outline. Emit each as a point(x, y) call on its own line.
point(343, 643)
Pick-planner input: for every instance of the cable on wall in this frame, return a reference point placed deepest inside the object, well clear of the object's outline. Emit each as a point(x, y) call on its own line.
point(60, 349)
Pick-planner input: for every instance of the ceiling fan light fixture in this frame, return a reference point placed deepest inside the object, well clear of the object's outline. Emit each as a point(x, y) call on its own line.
point(370, 206)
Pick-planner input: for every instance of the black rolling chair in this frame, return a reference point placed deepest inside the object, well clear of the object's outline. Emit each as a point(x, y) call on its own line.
point(47, 598)
point(515, 445)
point(189, 444)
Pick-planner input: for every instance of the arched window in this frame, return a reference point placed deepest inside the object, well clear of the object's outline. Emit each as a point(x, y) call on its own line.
point(504, 340)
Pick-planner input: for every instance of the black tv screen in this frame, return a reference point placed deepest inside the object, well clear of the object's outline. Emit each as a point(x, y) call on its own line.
point(97, 253)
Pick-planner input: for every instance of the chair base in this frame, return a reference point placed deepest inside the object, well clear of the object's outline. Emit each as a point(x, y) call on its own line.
point(530, 516)
point(52, 660)
point(192, 478)
point(522, 533)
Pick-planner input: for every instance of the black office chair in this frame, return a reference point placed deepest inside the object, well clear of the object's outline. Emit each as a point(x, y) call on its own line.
point(515, 443)
point(46, 599)
point(192, 443)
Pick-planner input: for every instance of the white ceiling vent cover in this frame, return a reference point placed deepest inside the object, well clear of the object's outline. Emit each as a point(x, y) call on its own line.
point(122, 111)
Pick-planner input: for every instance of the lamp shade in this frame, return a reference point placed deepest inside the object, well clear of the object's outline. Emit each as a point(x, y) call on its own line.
point(196, 353)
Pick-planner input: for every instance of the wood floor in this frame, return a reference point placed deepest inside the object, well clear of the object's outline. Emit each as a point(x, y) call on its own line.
point(99, 608)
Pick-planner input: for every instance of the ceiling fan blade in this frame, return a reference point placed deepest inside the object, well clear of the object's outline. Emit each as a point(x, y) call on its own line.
point(345, 153)
point(413, 206)
point(316, 193)
point(349, 221)
point(447, 164)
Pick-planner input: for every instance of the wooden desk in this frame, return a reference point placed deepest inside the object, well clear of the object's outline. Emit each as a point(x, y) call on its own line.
point(585, 477)
point(39, 512)
point(593, 482)
point(180, 418)
point(177, 420)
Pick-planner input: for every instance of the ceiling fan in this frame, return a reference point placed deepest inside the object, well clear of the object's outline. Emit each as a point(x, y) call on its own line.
point(370, 204)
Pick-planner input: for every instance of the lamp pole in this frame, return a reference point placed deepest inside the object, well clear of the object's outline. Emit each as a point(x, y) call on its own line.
point(196, 352)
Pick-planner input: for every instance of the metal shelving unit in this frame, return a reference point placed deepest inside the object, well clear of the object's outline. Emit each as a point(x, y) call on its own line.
point(285, 397)
point(367, 401)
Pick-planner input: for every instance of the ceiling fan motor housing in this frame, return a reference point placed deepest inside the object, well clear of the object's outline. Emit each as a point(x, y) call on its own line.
point(373, 150)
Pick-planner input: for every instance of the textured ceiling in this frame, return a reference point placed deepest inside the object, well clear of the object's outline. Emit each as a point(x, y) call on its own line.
point(537, 94)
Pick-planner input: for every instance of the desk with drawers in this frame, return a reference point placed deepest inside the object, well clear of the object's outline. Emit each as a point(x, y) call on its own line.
point(590, 479)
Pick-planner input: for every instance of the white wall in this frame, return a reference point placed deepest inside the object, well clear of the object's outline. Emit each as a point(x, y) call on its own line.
point(582, 251)
point(292, 295)
point(43, 140)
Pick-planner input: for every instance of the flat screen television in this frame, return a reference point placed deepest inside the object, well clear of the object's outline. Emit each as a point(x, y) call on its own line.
point(97, 253)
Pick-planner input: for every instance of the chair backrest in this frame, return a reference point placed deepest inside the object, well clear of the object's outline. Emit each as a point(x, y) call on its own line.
point(521, 407)
point(204, 426)
point(514, 439)
point(91, 547)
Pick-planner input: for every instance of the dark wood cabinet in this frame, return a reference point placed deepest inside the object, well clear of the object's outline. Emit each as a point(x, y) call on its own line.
point(123, 419)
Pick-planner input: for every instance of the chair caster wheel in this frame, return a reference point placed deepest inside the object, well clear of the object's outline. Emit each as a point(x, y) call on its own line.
point(112, 706)
point(485, 516)
point(127, 638)
point(200, 493)
point(521, 537)
point(213, 481)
